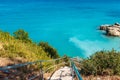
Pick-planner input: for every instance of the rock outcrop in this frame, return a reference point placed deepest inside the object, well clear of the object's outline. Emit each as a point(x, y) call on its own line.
point(111, 30)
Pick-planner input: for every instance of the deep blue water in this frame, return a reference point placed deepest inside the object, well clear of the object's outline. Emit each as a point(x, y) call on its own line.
point(68, 25)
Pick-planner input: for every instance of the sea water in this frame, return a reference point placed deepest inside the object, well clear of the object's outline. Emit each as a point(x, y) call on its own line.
point(70, 26)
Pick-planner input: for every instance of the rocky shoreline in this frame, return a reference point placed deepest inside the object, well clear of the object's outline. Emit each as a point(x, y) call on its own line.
point(111, 30)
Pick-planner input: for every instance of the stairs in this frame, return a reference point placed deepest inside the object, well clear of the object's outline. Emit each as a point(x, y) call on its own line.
point(64, 73)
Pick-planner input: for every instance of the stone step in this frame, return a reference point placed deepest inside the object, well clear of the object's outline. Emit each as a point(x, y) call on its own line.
point(64, 73)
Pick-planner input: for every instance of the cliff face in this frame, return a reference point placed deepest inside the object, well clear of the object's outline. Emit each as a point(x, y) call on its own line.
point(111, 30)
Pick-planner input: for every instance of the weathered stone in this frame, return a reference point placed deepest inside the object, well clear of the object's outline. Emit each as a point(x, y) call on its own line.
point(102, 27)
point(64, 73)
point(117, 24)
point(111, 30)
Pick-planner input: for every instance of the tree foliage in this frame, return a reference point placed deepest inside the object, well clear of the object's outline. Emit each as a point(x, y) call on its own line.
point(21, 35)
point(50, 50)
point(102, 63)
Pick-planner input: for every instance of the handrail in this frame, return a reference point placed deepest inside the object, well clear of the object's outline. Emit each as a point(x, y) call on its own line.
point(54, 66)
point(73, 66)
point(27, 63)
point(75, 70)
point(41, 73)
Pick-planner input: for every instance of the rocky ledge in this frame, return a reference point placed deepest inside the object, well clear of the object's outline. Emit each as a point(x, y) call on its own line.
point(111, 30)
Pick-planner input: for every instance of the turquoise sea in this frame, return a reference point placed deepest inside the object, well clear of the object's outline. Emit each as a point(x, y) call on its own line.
point(68, 25)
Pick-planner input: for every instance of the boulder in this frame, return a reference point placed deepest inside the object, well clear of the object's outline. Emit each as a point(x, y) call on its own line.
point(111, 30)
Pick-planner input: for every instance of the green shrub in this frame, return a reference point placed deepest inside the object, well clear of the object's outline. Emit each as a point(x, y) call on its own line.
point(102, 63)
point(22, 35)
point(49, 49)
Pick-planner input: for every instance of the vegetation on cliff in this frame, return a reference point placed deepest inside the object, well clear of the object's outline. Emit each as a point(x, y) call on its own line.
point(21, 46)
point(102, 63)
point(48, 49)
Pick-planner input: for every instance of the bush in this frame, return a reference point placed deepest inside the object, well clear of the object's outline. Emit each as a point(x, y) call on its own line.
point(102, 63)
point(48, 49)
point(21, 35)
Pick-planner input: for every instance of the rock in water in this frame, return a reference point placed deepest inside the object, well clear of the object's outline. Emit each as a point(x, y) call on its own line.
point(104, 27)
point(111, 30)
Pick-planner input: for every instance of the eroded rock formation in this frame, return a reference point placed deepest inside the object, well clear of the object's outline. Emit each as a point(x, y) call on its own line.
point(111, 30)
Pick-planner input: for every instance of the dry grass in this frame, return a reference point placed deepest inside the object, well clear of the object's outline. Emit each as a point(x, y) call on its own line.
point(101, 77)
point(8, 61)
point(5, 61)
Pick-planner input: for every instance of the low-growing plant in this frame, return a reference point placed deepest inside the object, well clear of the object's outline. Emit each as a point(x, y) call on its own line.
point(102, 63)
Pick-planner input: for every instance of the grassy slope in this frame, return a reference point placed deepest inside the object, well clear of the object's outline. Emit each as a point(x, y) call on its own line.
point(13, 48)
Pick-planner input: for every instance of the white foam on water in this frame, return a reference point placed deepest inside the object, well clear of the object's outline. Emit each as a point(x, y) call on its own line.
point(89, 47)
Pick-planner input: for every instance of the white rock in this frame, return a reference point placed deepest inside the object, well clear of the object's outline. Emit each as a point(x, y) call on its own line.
point(63, 73)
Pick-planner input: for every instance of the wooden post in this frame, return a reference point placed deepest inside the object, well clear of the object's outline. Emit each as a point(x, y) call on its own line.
point(41, 71)
point(54, 66)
